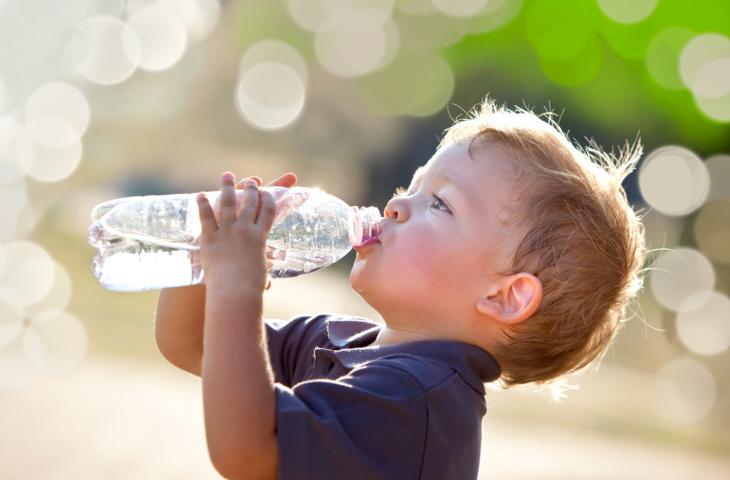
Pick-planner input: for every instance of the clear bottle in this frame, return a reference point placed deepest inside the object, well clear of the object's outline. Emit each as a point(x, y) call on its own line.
point(150, 242)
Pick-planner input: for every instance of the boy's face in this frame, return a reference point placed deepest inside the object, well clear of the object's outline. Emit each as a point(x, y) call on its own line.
point(442, 243)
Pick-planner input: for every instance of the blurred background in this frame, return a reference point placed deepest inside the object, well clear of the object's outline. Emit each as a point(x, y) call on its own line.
point(102, 99)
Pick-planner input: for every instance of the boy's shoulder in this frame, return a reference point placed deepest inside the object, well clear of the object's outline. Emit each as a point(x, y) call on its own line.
point(346, 340)
point(428, 373)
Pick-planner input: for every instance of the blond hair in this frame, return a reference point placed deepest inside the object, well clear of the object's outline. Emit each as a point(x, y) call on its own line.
point(580, 237)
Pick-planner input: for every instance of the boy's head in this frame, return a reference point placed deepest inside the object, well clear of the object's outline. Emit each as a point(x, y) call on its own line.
point(512, 239)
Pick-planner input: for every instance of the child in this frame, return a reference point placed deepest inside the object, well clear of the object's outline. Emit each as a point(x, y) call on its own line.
point(511, 257)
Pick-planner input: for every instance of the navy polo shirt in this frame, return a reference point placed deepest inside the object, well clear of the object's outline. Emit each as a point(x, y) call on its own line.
point(346, 410)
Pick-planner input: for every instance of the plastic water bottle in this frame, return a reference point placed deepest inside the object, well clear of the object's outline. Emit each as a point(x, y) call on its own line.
point(152, 241)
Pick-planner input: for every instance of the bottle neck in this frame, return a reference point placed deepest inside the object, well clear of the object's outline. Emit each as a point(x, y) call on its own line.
point(368, 224)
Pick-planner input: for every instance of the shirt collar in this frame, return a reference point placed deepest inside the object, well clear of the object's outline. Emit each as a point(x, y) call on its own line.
point(352, 336)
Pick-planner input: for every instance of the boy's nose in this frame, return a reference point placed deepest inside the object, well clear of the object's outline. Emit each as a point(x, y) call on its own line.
point(394, 209)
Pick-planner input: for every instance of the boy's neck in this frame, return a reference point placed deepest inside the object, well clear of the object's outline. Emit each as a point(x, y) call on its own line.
point(390, 336)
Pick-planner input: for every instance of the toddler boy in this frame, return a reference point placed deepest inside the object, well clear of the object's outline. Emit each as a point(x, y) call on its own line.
point(511, 256)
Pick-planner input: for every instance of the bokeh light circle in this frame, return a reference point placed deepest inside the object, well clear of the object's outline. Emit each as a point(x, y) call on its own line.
point(274, 51)
point(703, 323)
point(10, 130)
point(270, 95)
point(112, 8)
point(390, 92)
point(718, 167)
point(62, 340)
point(679, 274)
point(568, 49)
point(11, 317)
point(627, 11)
point(199, 16)
point(29, 272)
point(9, 127)
point(705, 69)
point(459, 8)
point(698, 52)
point(314, 15)
point(712, 230)
point(554, 32)
point(113, 51)
point(674, 180)
point(426, 32)
point(13, 197)
point(351, 45)
point(3, 94)
point(53, 132)
point(712, 80)
point(58, 297)
point(662, 56)
point(685, 390)
point(60, 100)
point(416, 7)
point(717, 109)
point(495, 14)
point(47, 163)
point(162, 37)
point(17, 369)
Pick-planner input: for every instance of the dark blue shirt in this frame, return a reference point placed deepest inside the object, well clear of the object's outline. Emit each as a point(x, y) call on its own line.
point(345, 410)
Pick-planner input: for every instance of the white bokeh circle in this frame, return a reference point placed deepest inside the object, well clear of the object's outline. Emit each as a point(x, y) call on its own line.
point(679, 274)
point(674, 180)
point(111, 50)
point(270, 96)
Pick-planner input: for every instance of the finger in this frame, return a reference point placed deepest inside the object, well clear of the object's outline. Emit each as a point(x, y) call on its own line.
point(250, 202)
point(268, 284)
point(289, 179)
point(208, 224)
point(267, 211)
point(228, 199)
point(256, 179)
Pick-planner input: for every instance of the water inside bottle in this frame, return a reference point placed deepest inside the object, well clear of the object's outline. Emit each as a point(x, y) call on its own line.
point(146, 245)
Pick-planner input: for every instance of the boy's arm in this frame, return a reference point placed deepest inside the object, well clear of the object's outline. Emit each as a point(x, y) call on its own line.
point(179, 326)
point(181, 312)
point(238, 386)
point(239, 404)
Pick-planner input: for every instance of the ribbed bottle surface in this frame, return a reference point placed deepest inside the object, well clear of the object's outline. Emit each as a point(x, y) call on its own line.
point(152, 242)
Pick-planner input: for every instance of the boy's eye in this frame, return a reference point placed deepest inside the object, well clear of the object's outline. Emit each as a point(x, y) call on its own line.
point(437, 200)
point(436, 203)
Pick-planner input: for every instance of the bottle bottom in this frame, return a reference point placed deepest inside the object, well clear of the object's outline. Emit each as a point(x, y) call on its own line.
point(146, 267)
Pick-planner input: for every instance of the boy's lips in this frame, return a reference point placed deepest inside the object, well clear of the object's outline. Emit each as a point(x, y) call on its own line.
point(369, 243)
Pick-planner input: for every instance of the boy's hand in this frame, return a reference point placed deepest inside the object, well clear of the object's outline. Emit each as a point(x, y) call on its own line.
point(232, 250)
point(287, 180)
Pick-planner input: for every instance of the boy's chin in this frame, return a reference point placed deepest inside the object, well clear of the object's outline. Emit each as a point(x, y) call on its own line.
point(359, 280)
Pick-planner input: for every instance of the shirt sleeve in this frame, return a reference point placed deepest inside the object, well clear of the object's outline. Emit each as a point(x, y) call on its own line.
point(370, 424)
point(291, 344)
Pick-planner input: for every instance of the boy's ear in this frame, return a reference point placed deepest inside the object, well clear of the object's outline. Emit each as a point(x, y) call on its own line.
point(515, 299)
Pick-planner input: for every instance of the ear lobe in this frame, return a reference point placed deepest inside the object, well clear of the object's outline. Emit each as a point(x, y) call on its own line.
point(519, 297)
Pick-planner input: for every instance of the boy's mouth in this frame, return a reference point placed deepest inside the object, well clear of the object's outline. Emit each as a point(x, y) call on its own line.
point(366, 244)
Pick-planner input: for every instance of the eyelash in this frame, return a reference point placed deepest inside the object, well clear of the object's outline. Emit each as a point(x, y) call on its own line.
point(402, 192)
